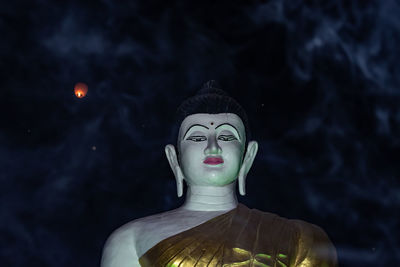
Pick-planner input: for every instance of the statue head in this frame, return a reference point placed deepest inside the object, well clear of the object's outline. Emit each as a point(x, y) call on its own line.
point(211, 141)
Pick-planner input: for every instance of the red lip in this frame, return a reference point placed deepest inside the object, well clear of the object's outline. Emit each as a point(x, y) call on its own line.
point(213, 161)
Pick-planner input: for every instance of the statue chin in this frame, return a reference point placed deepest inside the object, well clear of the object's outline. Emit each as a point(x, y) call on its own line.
point(211, 177)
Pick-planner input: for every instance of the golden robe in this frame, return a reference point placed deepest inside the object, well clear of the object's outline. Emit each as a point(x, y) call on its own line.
point(245, 237)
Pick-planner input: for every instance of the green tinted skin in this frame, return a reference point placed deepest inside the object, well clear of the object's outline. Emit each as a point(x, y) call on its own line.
point(211, 135)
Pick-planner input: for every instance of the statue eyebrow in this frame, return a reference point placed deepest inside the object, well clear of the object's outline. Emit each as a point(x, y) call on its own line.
point(192, 127)
point(231, 126)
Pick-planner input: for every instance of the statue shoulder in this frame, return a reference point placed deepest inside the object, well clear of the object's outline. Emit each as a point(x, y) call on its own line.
point(314, 245)
point(120, 248)
point(124, 246)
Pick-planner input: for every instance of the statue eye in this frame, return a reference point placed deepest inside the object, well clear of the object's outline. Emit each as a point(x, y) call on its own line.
point(224, 137)
point(196, 138)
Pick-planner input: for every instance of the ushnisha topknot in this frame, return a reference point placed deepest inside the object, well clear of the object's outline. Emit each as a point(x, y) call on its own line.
point(212, 100)
point(211, 87)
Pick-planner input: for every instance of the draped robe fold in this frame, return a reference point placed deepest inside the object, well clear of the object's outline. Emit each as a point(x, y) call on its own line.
point(245, 237)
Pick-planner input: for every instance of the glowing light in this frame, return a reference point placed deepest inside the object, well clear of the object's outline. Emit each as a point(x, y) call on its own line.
point(80, 90)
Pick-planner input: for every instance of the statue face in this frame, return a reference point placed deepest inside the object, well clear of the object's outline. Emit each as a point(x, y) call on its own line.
point(211, 148)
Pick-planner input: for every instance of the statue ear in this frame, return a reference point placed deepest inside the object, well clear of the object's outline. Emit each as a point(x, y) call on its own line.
point(176, 169)
point(251, 152)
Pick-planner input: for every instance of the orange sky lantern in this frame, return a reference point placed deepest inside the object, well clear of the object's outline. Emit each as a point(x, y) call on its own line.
point(80, 90)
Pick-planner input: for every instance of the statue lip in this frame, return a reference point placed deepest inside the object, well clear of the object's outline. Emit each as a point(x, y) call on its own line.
point(213, 160)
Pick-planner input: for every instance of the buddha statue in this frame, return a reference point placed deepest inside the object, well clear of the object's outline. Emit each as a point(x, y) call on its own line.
point(211, 228)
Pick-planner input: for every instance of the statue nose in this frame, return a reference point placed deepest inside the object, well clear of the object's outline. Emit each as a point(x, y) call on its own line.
point(212, 146)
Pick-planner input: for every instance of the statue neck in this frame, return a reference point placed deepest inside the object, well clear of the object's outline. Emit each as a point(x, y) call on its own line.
point(211, 198)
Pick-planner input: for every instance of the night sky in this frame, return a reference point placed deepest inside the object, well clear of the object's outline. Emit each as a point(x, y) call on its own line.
point(320, 81)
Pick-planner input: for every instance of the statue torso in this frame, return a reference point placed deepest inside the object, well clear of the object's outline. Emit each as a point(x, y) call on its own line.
point(237, 236)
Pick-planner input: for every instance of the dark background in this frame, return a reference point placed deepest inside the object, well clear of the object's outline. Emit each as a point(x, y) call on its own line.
point(318, 79)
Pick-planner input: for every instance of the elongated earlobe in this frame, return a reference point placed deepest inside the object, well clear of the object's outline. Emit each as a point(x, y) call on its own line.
point(251, 153)
point(176, 169)
point(242, 182)
point(179, 182)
